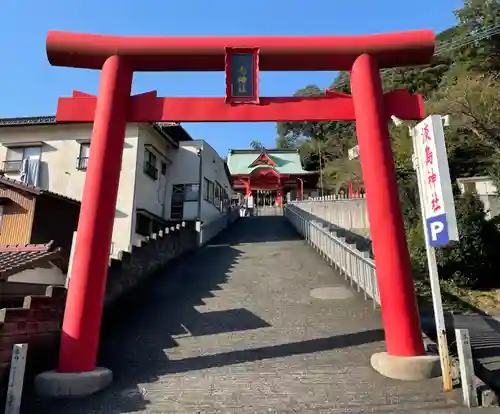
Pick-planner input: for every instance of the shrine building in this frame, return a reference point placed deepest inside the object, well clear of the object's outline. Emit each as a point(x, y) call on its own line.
point(269, 174)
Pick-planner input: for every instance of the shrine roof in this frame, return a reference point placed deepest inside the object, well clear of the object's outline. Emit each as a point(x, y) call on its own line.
point(287, 161)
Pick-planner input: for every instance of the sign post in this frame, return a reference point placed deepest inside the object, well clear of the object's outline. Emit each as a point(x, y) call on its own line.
point(438, 214)
point(466, 367)
point(16, 379)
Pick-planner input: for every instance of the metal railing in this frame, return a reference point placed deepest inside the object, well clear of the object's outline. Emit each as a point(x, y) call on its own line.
point(81, 163)
point(268, 211)
point(12, 166)
point(356, 266)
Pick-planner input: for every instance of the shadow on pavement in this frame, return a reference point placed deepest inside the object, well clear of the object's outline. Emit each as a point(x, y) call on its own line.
point(276, 351)
point(138, 333)
point(137, 330)
point(258, 230)
point(484, 330)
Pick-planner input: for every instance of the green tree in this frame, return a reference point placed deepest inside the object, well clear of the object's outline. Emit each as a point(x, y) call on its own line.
point(474, 17)
point(255, 144)
point(474, 260)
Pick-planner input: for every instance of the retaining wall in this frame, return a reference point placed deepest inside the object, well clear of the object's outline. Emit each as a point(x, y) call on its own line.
point(349, 214)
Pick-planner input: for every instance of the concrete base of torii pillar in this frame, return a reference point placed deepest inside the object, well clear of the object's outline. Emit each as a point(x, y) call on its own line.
point(72, 384)
point(411, 368)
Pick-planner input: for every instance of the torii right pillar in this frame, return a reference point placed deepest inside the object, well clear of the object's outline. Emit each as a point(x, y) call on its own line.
point(405, 357)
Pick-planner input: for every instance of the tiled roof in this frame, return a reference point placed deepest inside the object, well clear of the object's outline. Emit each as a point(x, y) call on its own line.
point(171, 129)
point(16, 258)
point(28, 120)
point(257, 151)
point(34, 190)
point(287, 161)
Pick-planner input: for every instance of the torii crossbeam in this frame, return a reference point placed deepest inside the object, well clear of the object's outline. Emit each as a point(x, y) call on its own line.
point(147, 107)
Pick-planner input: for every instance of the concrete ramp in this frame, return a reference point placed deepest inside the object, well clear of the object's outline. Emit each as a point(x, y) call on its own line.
point(254, 322)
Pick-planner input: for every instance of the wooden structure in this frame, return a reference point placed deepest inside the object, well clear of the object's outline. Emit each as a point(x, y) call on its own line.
point(31, 215)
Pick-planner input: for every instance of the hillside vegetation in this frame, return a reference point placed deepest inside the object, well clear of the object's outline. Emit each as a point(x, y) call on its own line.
point(462, 81)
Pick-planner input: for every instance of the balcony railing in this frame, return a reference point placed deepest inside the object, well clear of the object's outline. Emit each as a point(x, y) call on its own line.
point(12, 166)
point(81, 163)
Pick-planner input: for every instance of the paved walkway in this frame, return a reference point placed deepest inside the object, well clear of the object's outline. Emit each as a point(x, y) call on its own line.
point(234, 329)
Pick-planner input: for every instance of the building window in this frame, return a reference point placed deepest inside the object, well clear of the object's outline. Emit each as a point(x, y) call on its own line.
point(191, 192)
point(150, 164)
point(83, 156)
point(210, 192)
point(219, 197)
point(17, 155)
point(217, 192)
point(163, 168)
point(206, 184)
point(177, 202)
point(142, 225)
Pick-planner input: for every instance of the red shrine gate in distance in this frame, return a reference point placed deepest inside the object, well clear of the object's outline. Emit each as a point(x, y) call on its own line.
point(242, 58)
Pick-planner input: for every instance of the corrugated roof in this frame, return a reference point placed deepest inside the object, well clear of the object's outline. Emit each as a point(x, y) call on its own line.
point(287, 161)
point(172, 130)
point(34, 190)
point(16, 258)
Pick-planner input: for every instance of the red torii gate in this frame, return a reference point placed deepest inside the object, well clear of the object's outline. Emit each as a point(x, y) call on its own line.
point(119, 57)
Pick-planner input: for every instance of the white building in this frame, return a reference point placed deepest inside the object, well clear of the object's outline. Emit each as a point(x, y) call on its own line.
point(485, 189)
point(162, 168)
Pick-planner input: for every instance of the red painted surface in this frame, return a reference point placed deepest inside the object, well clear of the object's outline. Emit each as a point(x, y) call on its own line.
point(314, 53)
point(82, 317)
point(148, 108)
point(399, 308)
point(279, 196)
point(254, 98)
point(114, 107)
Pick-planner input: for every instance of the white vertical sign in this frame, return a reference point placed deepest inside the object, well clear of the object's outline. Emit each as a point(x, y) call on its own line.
point(435, 227)
point(16, 379)
point(438, 204)
point(466, 367)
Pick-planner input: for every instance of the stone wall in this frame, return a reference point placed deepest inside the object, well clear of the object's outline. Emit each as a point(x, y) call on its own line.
point(349, 214)
point(38, 324)
point(12, 294)
point(33, 313)
point(129, 269)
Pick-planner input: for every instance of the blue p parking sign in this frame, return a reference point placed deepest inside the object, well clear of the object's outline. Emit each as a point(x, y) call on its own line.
point(437, 229)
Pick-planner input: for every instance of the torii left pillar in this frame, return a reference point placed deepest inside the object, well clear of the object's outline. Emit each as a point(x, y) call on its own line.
point(77, 373)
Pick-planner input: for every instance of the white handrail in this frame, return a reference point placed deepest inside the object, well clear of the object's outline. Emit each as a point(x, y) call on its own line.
point(356, 266)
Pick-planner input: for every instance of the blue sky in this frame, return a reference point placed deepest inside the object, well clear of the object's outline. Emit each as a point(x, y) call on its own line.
point(29, 86)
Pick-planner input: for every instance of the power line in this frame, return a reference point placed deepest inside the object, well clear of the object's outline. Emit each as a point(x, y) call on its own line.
point(449, 46)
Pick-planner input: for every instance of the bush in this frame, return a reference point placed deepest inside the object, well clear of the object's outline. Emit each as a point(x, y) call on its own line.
point(472, 261)
point(416, 247)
